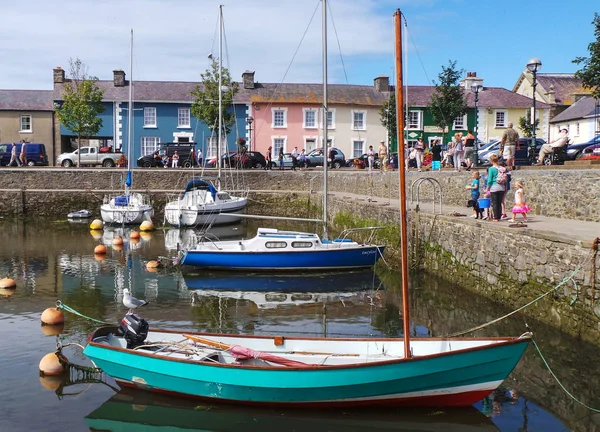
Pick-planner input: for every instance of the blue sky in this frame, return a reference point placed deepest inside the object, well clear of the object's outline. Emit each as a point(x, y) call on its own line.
point(173, 37)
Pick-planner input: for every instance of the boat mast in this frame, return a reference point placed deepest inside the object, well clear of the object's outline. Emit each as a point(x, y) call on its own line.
point(401, 162)
point(325, 111)
point(129, 115)
point(219, 141)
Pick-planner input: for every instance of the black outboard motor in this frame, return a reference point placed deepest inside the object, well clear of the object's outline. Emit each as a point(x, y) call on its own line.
point(134, 329)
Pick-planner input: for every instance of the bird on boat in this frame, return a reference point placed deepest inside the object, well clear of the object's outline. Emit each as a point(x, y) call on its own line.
point(131, 302)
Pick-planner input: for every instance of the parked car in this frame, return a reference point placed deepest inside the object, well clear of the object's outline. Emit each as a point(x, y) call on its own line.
point(521, 153)
point(315, 158)
point(89, 156)
point(365, 161)
point(212, 162)
point(249, 159)
point(575, 151)
point(186, 152)
point(287, 162)
point(36, 153)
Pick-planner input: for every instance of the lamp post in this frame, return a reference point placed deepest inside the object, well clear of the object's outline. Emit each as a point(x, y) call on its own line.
point(249, 120)
point(533, 65)
point(476, 88)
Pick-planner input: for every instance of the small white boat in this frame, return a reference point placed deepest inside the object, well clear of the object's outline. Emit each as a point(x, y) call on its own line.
point(80, 214)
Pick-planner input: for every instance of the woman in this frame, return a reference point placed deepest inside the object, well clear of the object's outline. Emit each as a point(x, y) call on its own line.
point(436, 155)
point(268, 158)
point(459, 150)
point(495, 189)
point(280, 158)
point(420, 148)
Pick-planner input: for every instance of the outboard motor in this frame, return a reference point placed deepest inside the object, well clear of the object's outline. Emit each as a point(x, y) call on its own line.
point(134, 329)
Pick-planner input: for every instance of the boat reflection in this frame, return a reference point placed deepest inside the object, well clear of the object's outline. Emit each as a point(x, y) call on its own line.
point(133, 411)
point(185, 238)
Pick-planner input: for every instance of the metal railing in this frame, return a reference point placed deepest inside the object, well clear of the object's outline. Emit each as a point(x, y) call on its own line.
point(416, 185)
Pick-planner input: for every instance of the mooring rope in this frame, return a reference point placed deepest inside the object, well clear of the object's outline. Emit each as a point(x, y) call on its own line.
point(61, 305)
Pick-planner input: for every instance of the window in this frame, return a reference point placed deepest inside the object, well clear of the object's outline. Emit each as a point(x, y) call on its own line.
point(331, 119)
point(279, 118)
point(183, 118)
point(150, 144)
point(310, 144)
point(298, 244)
point(310, 118)
point(275, 245)
point(411, 143)
point(278, 143)
point(415, 120)
point(460, 123)
point(501, 121)
point(358, 148)
point(26, 123)
point(211, 147)
point(359, 120)
point(149, 117)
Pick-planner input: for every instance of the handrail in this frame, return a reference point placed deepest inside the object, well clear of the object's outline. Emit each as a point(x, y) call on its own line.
point(417, 184)
point(344, 234)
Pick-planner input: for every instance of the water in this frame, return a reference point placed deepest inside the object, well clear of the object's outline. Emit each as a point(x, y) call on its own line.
point(55, 260)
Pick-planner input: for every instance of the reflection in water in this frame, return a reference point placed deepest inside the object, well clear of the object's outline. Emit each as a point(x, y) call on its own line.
point(185, 238)
point(137, 411)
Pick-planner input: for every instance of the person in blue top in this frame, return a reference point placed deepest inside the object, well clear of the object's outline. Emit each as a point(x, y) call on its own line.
point(474, 188)
point(495, 189)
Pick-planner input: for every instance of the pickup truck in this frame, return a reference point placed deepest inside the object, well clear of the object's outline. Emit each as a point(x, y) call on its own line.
point(89, 156)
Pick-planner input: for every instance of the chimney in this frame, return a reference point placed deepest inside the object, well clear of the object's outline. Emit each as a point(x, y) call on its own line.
point(59, 75)
point(551, 95)
point(470, 80)
point(248, 79)
point(119, 78)
point(382, 83)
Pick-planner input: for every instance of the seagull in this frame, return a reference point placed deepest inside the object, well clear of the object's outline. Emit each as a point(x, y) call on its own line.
point(131, 302)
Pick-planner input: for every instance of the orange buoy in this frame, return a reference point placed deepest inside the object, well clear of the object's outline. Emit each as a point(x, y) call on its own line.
point(100, 257)
point(8, 283)
point(146, 235)
point(7, 292)
point(152, 264)
point(52, 316)
point(134, 235)
point(97, 224)
point(152, 270)
point(52, 383)
point(117, 241)
point(53, 330)
point(147, 226)
point(100, 249)
point(49, 365)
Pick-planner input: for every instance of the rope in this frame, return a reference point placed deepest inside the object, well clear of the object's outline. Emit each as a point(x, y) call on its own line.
point(558, 381)
point(61, 305)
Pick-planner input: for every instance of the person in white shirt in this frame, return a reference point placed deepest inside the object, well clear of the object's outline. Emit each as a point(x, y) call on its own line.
point(371, 157)
point(294, 155)
point(175, 160)
point(561, 141)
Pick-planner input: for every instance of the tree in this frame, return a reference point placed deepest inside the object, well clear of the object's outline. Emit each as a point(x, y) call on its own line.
point(589, 74)
point(206, 104)
point(526, 126)
point(82, 103)
point(388, 118)
point(448, 102)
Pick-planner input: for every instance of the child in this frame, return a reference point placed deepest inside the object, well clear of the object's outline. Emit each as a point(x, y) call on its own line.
point(474, 188)
point(520, 204)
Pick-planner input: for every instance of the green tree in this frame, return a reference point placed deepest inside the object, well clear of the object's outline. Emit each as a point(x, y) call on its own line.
point(81, 103)
point(589, 74)
point(206, 103)
point(448, 102)
point(388, 120)
point(526, 126)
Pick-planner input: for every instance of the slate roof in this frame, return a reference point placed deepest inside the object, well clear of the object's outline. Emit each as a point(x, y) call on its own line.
point(565, 85)
point(26, 100)
point(584, 107)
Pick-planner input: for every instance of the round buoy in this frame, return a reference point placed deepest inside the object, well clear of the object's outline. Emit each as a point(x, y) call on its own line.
point(53, 330)
point(152, 264)
point(52, 316)
point(117, 247)
point(147, 226)
point(152, 270)
point(7, 283)
point(97, 224)
point(134, 241)
point(7, 292)
point(49, 365)
point(52, 383)
point(96, 234)
point(100, 249)
point(134, 235)
point(145, 235)
point(100, 257)
point(117, 241)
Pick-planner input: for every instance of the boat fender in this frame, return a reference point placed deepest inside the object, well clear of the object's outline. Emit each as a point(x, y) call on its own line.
point(53, 316)
point(51, 365)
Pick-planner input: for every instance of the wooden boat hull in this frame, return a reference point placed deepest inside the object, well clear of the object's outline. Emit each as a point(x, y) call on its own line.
point(450, 377)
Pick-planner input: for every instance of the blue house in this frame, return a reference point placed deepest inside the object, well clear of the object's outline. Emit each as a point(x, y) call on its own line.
point(161, 114)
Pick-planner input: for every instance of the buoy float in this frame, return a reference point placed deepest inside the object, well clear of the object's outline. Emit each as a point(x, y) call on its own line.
point(100, 250)
point(117, 241)
point(97, 224)
point(117, 247)
point(8, 283)
point(53, 330)
point(100, 257)
point(147, 226)
point(53, 316)
point(134, 235)
point(52, 383)
point(7, 292)
point(97, 234)
point(49, 365)
point(145, 235)
point(152, 265)
point(134, 241)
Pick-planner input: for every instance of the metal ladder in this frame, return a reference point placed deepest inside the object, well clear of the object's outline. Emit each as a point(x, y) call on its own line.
point(416, 185)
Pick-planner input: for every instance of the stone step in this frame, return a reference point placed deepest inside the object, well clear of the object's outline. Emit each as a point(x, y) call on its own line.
point(583, 162)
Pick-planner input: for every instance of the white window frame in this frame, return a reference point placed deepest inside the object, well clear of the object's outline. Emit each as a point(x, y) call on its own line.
point(418, 125)
point(21, 129)
point(500, 125)
point(331, 112)
point(315, 144)
point(315, 112)
point(275, 110)
point(364, 120)
point(149, 115)
point(363, 147)
point(211, 146)
point(459, 126)
point(275, 150)
point(180, 124)
point(149, 144)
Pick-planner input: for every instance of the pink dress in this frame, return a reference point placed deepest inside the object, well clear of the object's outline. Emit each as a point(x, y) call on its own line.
point(520, 204)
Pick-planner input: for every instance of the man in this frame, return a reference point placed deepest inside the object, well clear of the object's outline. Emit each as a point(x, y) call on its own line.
point(199, 157)
point(23, 155)
point(383, 156)
point(294, 155)
point(469, 149)
point(561, 141)
point(14, 157)
point(371, 157)
point(508, 146)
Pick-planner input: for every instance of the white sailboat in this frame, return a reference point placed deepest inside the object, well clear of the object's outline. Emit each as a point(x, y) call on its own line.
point(202, 203)
point(130, 207)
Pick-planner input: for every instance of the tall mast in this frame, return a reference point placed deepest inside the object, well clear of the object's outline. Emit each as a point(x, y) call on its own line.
point(130, 114)
point(401, 162)
point(325, 110)
point(219, 141)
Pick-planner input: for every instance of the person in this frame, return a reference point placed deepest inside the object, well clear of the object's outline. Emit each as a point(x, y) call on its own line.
point(495, 189)
point(506, 189)
point(294, 158)
point(175, 160)
point(383, 156)
point(165, 159)
point(199, 157)
point(561, 141)
point(469, 144)
point(474, 188)
point(23, 155)
point(448, 160)
point(14, 157)
point(157, 156)
point(371, 157)
point(436, 155)
point(420, 148)
point(302, 159)
point(268, 158)
point(280, 158)
point(508, 145)
point(331, 156)
point(520, 206)
point(458, 151)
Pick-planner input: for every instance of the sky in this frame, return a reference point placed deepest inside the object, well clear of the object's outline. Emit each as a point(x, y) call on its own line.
point(281, 39)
